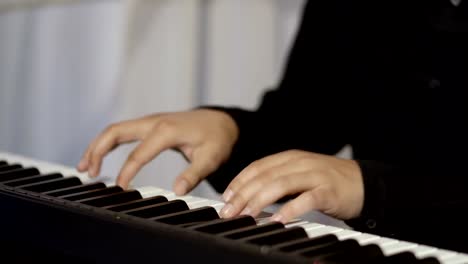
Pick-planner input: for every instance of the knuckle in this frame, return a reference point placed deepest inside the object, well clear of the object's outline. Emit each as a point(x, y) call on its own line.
point(212, 161)
point(238, 183)
point(191, 179)
point(212, 164)
point(316, 198)
point(309, 198)
point(259, 200)
point(304, 161)
point(164, 125)
point(291, 209)
point(253, 168)
point(135, 158)
point(112, 129)
point(270, 175)
point(97, 153)
point(323, 196)
point(283, 183)
point(240, 199)
point(235, 184)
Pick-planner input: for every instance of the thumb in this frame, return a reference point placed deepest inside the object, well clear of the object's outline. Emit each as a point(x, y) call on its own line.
point(200, 168)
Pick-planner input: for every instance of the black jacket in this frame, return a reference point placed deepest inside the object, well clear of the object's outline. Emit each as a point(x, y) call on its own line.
point(389, 78)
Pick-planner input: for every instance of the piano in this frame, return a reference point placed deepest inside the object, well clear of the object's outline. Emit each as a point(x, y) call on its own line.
point(52, 213)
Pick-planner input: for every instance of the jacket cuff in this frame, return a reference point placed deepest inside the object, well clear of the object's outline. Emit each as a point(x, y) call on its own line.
point(372, 217)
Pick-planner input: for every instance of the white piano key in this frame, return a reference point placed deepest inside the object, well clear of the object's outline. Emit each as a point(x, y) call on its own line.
point(395, 248)
point(347, 234)
point(383, 241)
point(297, 222)
point(192, 201)
point(443, 254)
point(205, 202)
point(187, 198)
point(423, 251)
point(196, 202)
point(150, 191)
point(365, 239)
point(316, 232)
point(458, 259)
point(47, 167)
point(200, 202)
point(312, 226)
point(217, 207)
point(215, 204)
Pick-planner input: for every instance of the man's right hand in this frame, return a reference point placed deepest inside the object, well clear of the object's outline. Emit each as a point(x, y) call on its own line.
point(205, 137)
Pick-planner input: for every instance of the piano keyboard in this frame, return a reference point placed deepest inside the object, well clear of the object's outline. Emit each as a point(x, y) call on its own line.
point(296, 241)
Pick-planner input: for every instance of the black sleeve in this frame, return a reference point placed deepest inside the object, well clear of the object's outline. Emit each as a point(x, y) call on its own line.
point(415, 201)
point(309, 108)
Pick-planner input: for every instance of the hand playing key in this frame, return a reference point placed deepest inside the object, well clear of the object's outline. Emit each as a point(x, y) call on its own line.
point(205, 137)
point(331, 185)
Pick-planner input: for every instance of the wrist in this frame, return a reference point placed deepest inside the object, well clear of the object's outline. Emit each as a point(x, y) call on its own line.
point(227, 124)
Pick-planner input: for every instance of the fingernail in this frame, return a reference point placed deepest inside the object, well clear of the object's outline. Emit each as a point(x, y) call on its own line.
point(181, 187)
point(277, 218)
point(228, 194)
point(227, 210)
point(246, 211)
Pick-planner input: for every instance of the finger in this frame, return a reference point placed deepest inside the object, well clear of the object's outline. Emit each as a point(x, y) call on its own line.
point(114, 135)
point(255, 169)
point(271, 191)
point(83, 165)
point(310, 200)
point(148, 149)
point(203, 163)
point(238, 203)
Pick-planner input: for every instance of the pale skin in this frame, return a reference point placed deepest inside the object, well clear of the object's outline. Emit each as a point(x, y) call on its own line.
point(206, 137)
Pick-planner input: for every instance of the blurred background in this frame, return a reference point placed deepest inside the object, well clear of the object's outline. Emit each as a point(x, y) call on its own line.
point(69, 68)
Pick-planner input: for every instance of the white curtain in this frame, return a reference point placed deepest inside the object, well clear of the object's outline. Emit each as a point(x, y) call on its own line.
point(184, 53)
point(68, 68)
point(58, 69)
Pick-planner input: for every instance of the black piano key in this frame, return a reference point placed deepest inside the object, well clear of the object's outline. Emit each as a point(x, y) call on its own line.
point(110, 199)
point(51, 184)
point(18, 174)
point(300, 244)
point(205, 213)
point(327, 249)
point(10, 167)
point(370, 254)
point(276, 237)
point(160, 209)
point(188, 225)
point(75, 189)
point(222, 225)
point(91, 193)
point(137, 204)
point(3, 163)
point(252, 230)
point(33, 179)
